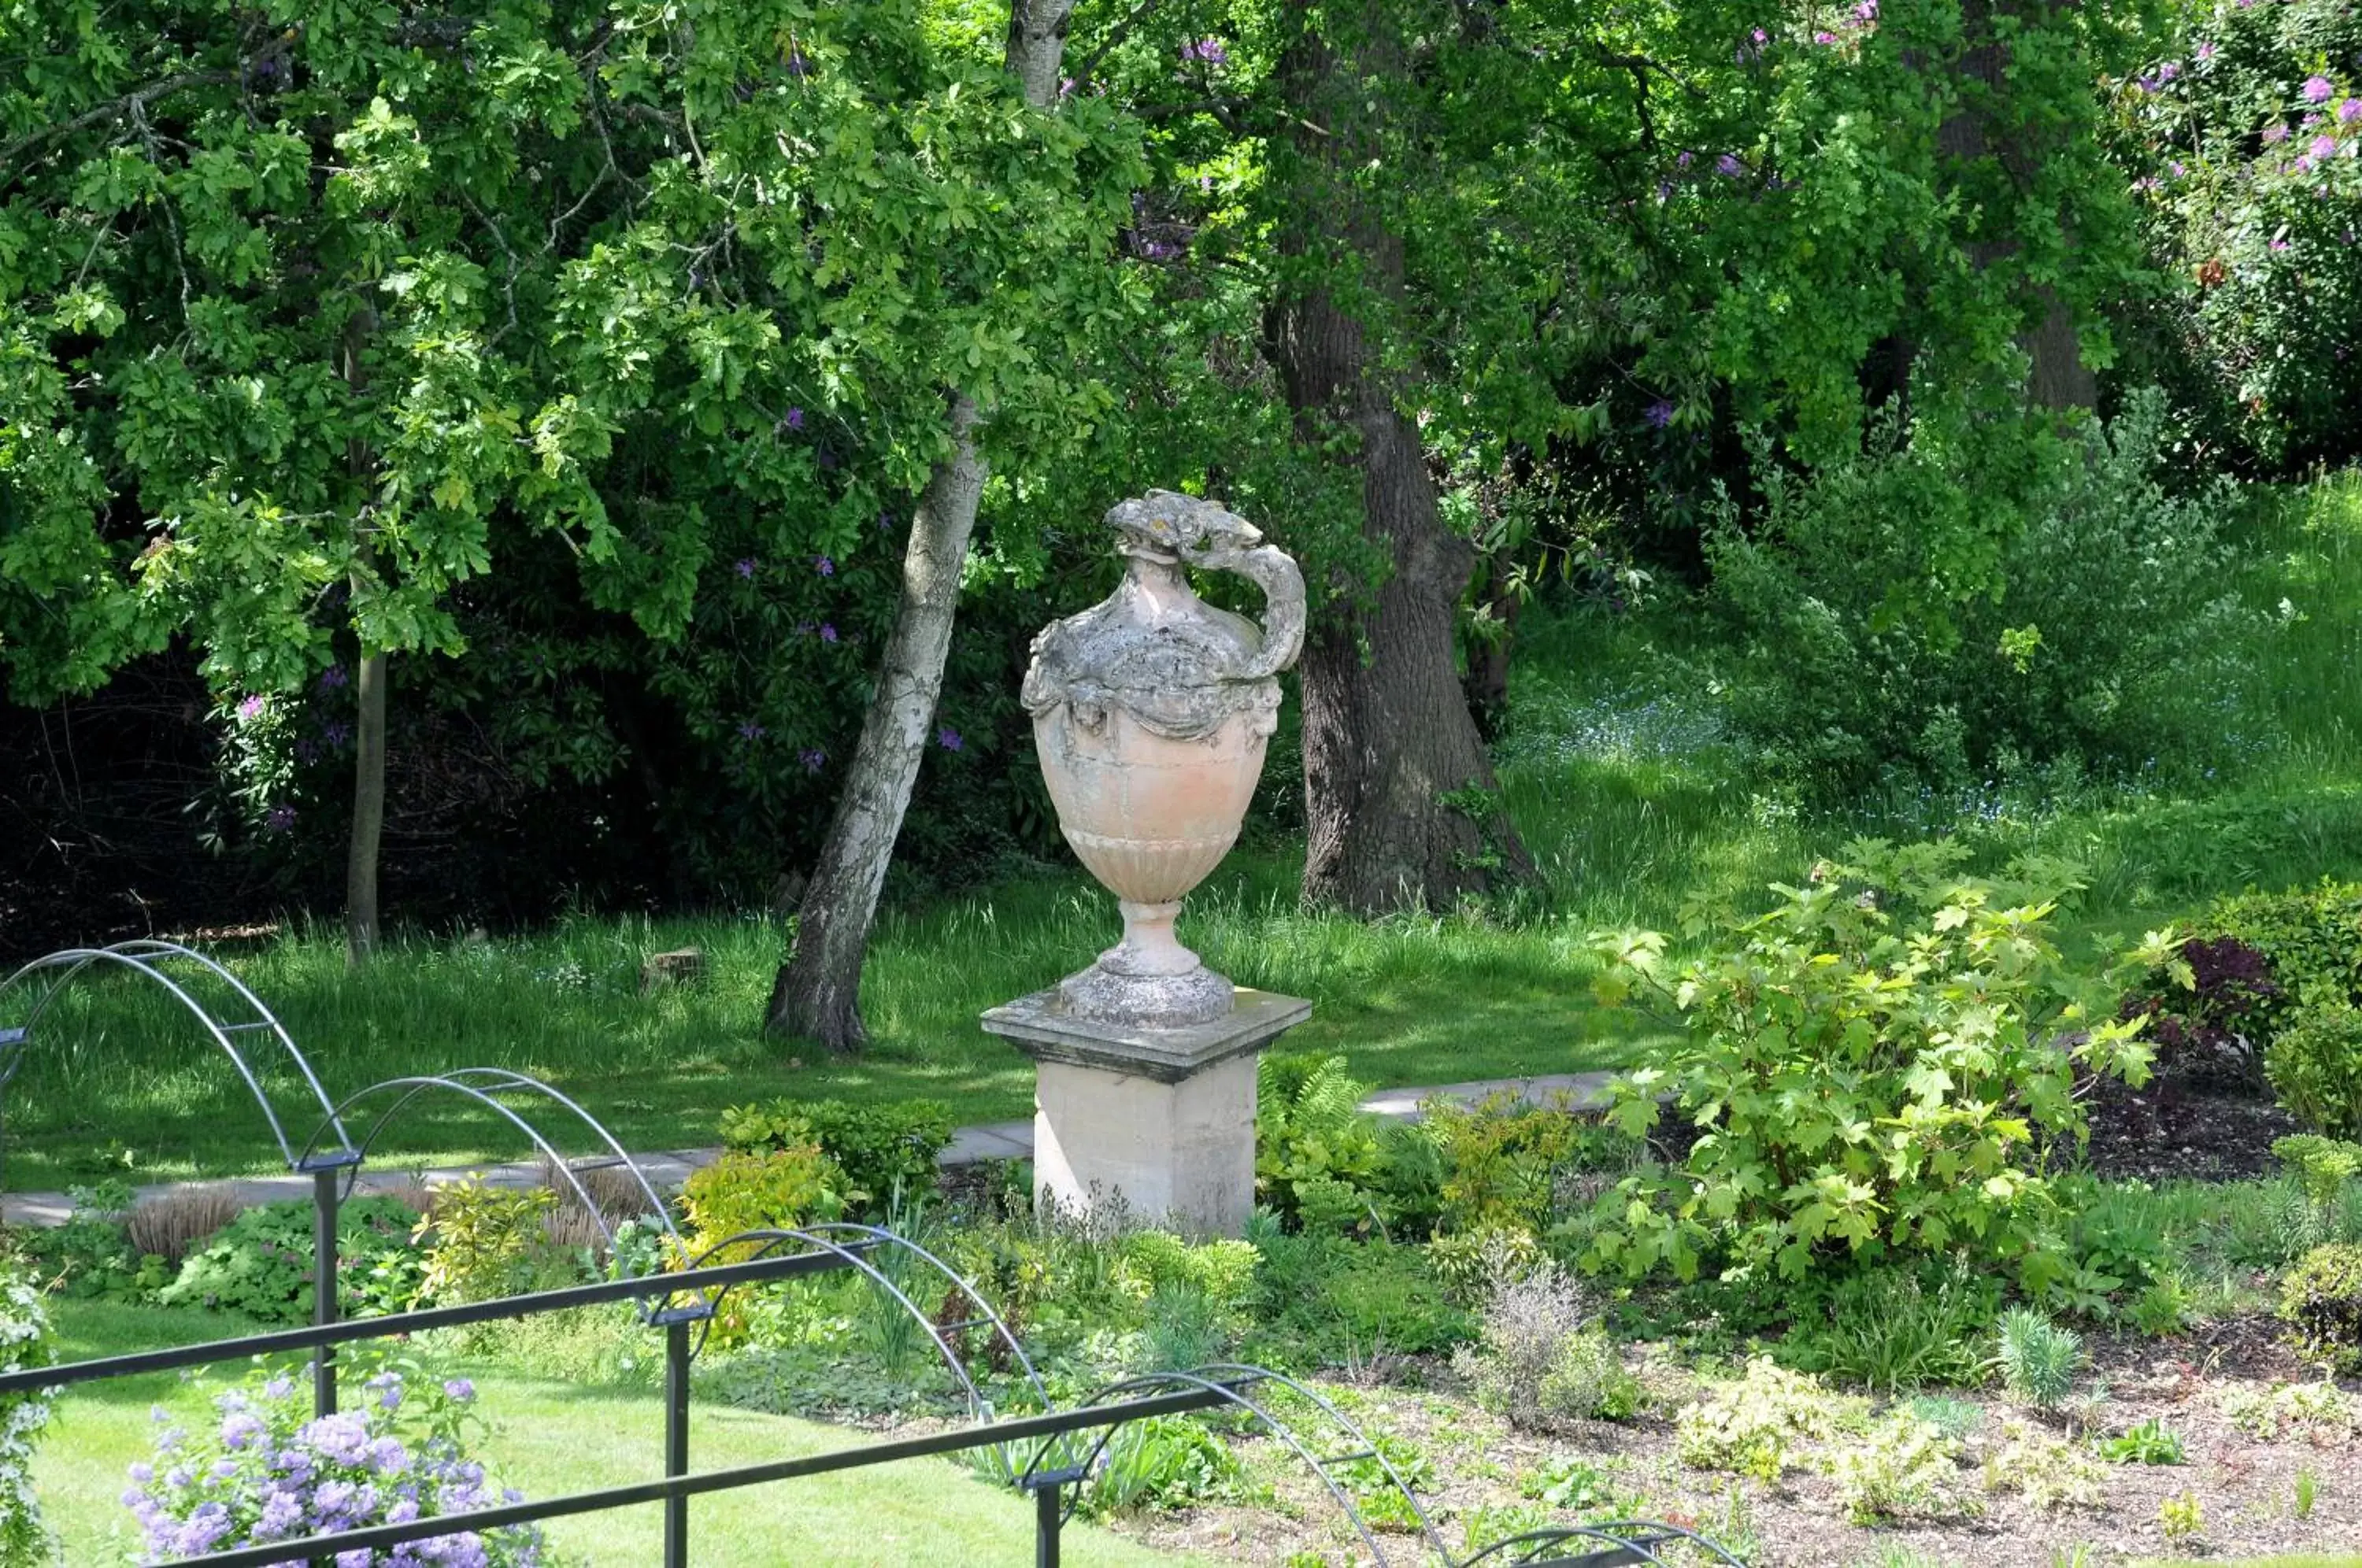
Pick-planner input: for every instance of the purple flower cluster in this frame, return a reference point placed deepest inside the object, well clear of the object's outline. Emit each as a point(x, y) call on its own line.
point(264, 1472)
point(1206, 51)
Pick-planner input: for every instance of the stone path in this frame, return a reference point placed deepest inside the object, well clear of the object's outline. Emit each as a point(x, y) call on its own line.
point(668, 1169)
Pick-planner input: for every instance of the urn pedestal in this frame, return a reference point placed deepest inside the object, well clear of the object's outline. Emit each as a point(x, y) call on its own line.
point(1151, 711)
point(1158, 1122)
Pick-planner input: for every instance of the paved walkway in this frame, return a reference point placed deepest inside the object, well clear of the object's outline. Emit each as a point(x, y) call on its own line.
point(666, 1169)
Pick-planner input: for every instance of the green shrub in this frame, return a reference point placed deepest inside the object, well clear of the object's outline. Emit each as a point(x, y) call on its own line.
point(2145, 1442)
point(1905, 1469)
point(2315, 1068)
point(882, 1149)
point(1876, 1066)
point(1324, 1299)
point(2313, 938)
point(91, 1256)
point(484, 1241)
point(1752, 1426)
point(2320, 1299)
point(260, 1262)
point(25, 1343)
point(2042, 1471)
point(2038, 1360)
point(2109, 638)
point(1471, 1264)
point(1502, 1158)
point(1894, 1329)
point(1162, 1462)
point(778, 1189)
point(1319, 1158)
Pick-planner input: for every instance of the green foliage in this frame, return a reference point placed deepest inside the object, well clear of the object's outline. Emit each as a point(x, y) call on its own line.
point(484, 1241)
point(1323, 1163)
point(1322, 1300)
point(2270, 1412)
point(260, 1265)
point(1163, 1463)
point(2183, 1519)
point(1752, 1426)
point(1903, 1469)
point(2107, 642)
point(2147, 1442)
point(743, 1191)
point(1875, 1065)
point(1892, 1328)
point(2321, 1299)
point(2040, 1359)
point(1503, 1158)
point(2315, 1068)
point(90, 1257)
point(26, 1343)
point(2324, 1167)
point(2044, 1470)
point(883, 1149)
point(2313, 936)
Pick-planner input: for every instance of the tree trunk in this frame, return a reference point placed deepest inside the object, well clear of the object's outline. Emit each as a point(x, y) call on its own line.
point(817, 992)
point(2056, 377)
point(1401, 806)
point(368, 812)
point(369, 718)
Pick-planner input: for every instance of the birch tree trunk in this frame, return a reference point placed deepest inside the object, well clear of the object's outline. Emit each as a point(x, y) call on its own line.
point(817, 993)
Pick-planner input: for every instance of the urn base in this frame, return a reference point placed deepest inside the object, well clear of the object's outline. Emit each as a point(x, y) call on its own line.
point(1101, 995)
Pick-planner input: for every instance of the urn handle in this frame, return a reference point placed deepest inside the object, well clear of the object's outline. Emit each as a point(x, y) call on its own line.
point(1274, 571)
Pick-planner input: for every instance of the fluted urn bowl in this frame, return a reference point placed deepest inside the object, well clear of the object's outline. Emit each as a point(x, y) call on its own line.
point(1151, 713)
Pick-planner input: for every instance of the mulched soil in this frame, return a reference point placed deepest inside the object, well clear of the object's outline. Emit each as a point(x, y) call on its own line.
point(2244, 1485)
point(2163, 1133)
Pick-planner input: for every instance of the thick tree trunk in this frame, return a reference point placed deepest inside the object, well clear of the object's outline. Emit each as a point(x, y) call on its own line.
point(817, 992)
point(1401, 807)
point(368, 812)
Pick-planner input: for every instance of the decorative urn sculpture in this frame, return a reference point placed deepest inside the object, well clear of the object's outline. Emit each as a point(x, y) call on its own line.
point(1151, 711)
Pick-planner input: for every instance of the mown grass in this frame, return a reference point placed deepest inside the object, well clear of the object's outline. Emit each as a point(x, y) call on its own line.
point(552, 1438)
point(1616, 771)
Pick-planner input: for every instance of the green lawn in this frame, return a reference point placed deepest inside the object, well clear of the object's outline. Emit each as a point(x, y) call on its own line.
point(555, 1438)
point(1615, 772)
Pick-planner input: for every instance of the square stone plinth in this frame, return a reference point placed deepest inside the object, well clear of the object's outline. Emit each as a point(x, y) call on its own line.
point(1161, 1120)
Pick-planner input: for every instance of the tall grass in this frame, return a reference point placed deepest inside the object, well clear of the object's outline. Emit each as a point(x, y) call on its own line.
point(1616, 767)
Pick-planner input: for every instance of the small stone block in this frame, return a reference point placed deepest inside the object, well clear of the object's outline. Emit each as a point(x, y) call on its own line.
point(680, 967)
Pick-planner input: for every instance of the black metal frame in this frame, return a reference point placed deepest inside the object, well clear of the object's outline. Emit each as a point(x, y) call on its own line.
point(676, 1301)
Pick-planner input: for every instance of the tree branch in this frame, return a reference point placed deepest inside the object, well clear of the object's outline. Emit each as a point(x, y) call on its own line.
point(133, 106)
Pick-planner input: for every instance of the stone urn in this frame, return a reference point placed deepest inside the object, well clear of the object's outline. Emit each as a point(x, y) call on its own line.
point(1151, 711)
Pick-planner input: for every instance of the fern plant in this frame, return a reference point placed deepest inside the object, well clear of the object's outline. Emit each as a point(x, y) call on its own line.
point(2038, 1358)
point(1318, 1154)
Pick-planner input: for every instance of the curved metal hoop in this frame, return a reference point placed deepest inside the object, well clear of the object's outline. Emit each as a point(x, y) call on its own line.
point(480, 1084)
point(1633, 1536)
point(1230, 1380)
point(146, 956)
point(856, 1255)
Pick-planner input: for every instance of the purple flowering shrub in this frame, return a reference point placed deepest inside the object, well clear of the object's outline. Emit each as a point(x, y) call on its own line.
point(264, 1470)
point(2209, 1014)
point(2243, 148)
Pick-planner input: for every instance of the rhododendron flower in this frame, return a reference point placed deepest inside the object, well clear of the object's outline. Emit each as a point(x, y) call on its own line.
point(2317, 89)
